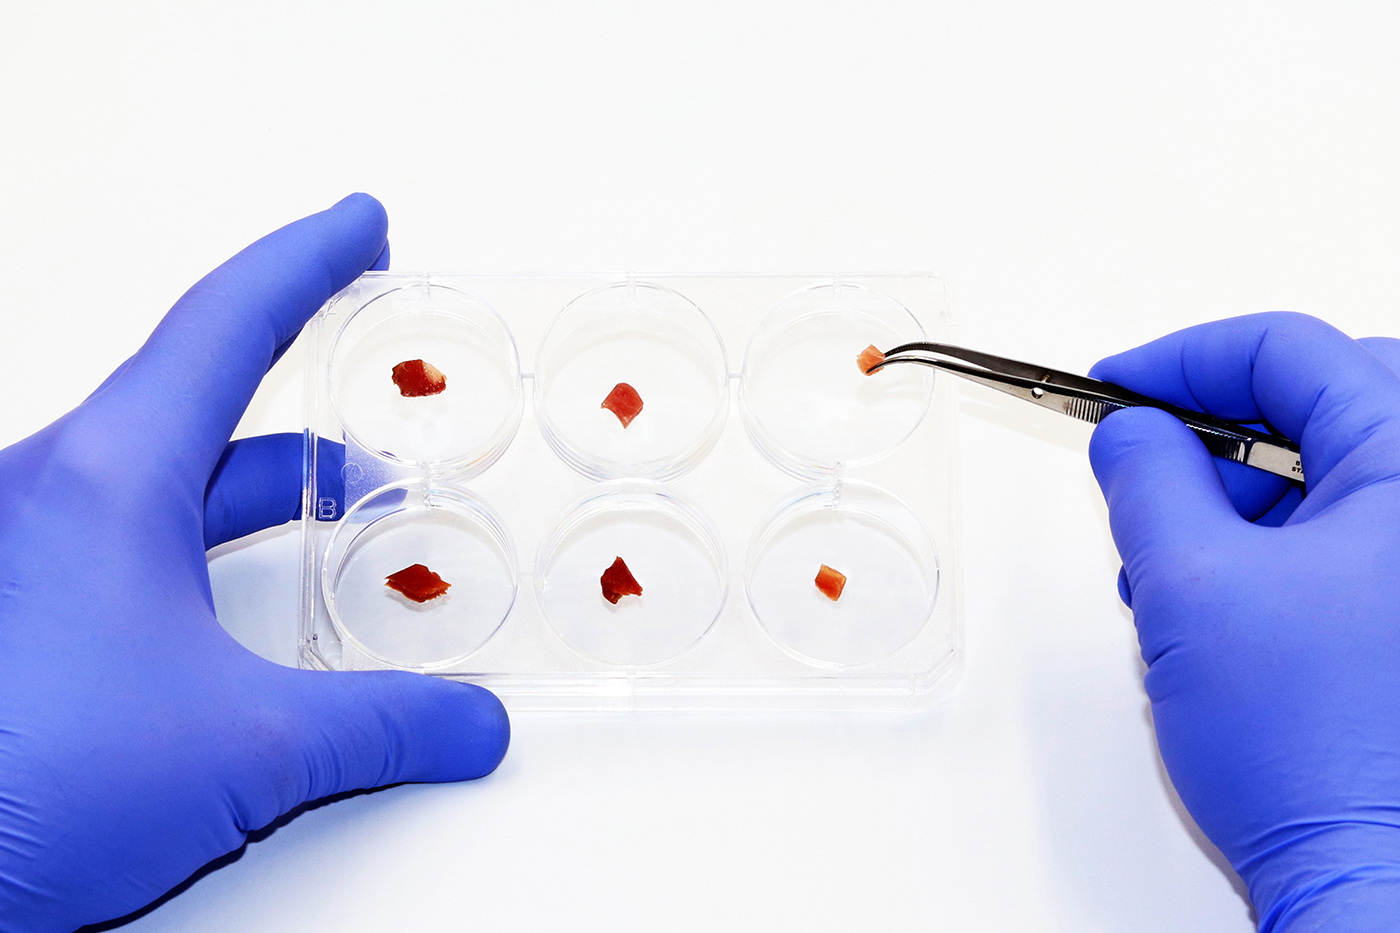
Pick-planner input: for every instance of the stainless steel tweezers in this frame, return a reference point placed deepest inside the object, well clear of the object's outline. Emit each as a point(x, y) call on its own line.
point(1092, 400)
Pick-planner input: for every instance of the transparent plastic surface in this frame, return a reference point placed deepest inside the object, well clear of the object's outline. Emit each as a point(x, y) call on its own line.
point(663, 346)
point(452, 532)
point(806, 403)
point(465, 428)
point(864, 533)
point(520, 495)
point(671, 549)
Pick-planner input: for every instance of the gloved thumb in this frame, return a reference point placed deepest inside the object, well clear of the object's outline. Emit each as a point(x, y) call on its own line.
point(1164, 493)
point(369, 729)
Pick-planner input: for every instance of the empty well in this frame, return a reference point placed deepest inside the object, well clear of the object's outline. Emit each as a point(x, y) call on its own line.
point(672, 550)
point(451, 531)
point(466, 427)
point(864, 532)
point(805, 402)
point(655, 340)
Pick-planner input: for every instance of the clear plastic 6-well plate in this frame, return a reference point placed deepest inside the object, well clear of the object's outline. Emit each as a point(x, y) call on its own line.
point(761, 453)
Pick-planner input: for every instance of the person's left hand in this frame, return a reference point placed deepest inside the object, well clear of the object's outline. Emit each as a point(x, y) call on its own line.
point(138, 740)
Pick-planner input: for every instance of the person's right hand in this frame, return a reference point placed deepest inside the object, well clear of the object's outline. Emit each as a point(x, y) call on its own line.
point(1273, 653)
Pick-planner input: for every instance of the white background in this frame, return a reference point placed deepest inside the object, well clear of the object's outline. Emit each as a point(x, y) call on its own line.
point(1088, 175)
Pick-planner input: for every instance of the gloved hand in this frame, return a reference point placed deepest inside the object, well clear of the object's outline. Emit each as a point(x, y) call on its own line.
point(138, 740)
point(1273, 653)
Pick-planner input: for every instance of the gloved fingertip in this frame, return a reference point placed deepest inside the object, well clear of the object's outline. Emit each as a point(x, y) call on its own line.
point(1125, 592)
point(451, 731)
point(364, 212)
point(491, 732)
point(1104, 368)
point(387, 727)
point(1386, 349)
point(256, 484)
point(1253, 492)
point(382, 263)
point(359, 200)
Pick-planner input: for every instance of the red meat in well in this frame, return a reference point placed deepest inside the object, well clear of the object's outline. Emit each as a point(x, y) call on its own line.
point(416, 378)
point(831, 582)
point(868, 358)
point(618, 582)
point(418, 583)
point(624, 402)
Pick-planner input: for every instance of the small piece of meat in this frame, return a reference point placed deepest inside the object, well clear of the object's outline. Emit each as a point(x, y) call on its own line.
point(418, 583)
point(416, 379)
point(869, 358)
point(830, 582)
point(618, 582)
point(624, 402)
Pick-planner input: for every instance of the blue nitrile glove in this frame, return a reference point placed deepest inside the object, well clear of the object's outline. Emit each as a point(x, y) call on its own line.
point(138, 740)
point(257, 484)
point(1273, 653)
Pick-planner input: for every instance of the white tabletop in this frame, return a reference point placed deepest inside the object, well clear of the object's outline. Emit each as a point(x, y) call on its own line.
point(1087, 178)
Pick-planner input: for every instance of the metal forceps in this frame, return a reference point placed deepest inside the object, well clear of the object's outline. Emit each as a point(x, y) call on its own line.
point(1092, 400)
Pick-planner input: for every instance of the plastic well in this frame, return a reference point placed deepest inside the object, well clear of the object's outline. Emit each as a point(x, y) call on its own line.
point(454, 533)
point(671, 548)
point(805, 402)
point(740, 637)
point(869, 535)
point(653, 339)
point(464, 429)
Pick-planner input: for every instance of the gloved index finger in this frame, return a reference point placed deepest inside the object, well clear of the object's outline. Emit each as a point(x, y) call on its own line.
point(1296, 373)
point(186, 389)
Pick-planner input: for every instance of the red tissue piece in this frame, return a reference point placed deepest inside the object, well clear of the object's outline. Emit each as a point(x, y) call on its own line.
point(418, 583)
point(624, 402)
point(831, 582)
point(416, 378)
point(618, 582)
point(869, 357)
